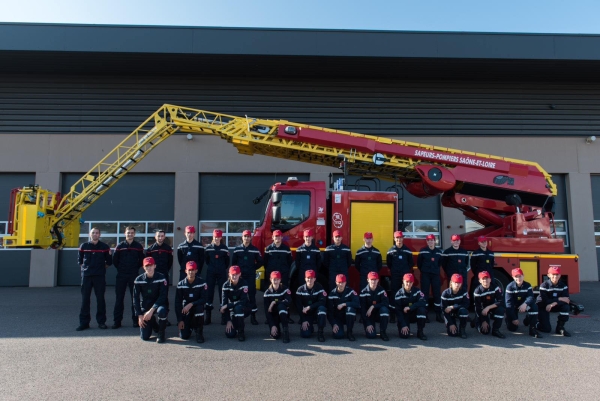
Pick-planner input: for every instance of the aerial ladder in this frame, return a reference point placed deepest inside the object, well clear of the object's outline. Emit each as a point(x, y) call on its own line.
point(511, 198)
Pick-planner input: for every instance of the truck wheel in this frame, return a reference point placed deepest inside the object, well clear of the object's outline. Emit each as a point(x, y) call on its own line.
point(501, 279)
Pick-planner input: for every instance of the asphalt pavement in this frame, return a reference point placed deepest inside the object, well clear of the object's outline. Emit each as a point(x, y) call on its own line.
point(43, 357)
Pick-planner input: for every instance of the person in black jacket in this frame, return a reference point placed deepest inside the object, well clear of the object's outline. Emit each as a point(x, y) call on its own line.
point(367, 259)
point(337, 258)
point(489, 304)
point(189, 303)
point(248, 258)
point(455, 304)
point(94, 257)
point(162, 253)
point(482, 259)
point(428, 262)
point(190, 250)
point(149, 301)
point(235, 304)
point(400, 262)
point(277, 301)
point(342, 305)
point(455, 259)
point(554, 297)
point(410, 307)
point(310, 303)
point(374, 307)
point(278, 257)
point(519, 298)
point(217, 262)
point(308, 256)
point(127, 258)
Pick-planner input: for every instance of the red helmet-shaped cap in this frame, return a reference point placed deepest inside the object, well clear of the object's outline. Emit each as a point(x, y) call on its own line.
point(554, 269)
point(218, 233)
point(456, 278)
point(368, 235)
point(455, 237)
point(337, 233)
point(409, 277)
point(309, 233)
point(398, 234)
point(482, 238)
point(190, 229)
point(517, 271)
point(373, 276)
point(277, 233)
point(191, 265)
point(149, 261)
point(484, 275)
point(276, 275)
point(340, 278)
point(430, 237)
point(310, 273)
point(235, 270)
point(247, 232)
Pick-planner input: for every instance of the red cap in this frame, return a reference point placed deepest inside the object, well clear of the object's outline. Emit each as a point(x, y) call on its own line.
point(455, 237)
point(482, 238)
point(149, 262)
point(484, 275)
point(309, 233)
point(517, 271)
point(408, 277)
point(368, 235)
point(373, 276)
point(340, 278)
point(277, 233)
point(337, 233)
point(218, 233)
point(456, 278)
point(247, 232)
point(310, 273)
point(276, 275)
point(235, 270)
point(190, 229)
point(554, 269)
point(398, 234)
point(191, 265)
point(430, 236)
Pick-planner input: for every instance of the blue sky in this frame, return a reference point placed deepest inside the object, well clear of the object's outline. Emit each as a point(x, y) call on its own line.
point(549, 16)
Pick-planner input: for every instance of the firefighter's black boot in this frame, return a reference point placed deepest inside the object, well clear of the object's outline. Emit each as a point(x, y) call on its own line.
point(534, 333)
point(208, 317)
point(497, 333)
point(162, 325)
point(421, 335)
point(384, 336)
point(223, 319)
point(393, 317)
point(320, 336)
point(560, 330)
point(253, 320)
point(351, 336)
point(200, 334)
point(463, 332)
point(438, 317)
point(286, 335)
point(241, 336)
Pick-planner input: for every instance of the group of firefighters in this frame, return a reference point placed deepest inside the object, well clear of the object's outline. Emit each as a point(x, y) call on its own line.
point(194, 296)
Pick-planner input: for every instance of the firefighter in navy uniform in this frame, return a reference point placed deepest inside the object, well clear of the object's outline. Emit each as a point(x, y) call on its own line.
point(455, 259)
point(308, 256)
point(310, 302)
point(455, 304)
point(235, 304)
point(368, 259)
point(342, 305)
point(216, 256)
point(337, 258)
point(400, 262)
point(190, 250)
point(248, 258)
point(520, 299)
point(162, 253)
point(489, 304)
point(411, 306)
point(189, 303)
point(554, 297)
point(428, 262)
point(94, 257)
point(127, 258)
point(374, 307)
point(150, 301)
point(277, 301)
point(278, 258)
point(482, 259)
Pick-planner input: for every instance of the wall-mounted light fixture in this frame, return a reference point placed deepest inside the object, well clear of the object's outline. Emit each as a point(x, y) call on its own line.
point(590, 139)
point(190, 137)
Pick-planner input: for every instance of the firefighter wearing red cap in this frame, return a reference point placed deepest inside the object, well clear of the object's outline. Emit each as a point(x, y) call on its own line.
point(400, 261)
point(455, 259)
point(519, 298)
point(455, 304)
point(308, 256)
point(489, 305)
point(189, 303)
point(150, 301)
point(310, 303)
point(428, 262)
point(411, 306)
point(368, 259)
point(127, 258)
point(249, 259)
point(216, 257)
point(278, 257)
point(235, 303)
point(482, 259)
point(554, 297)
point(337, 258)
point(190, 250)
point(374, 307)
point(277, 301)
point(342, 305)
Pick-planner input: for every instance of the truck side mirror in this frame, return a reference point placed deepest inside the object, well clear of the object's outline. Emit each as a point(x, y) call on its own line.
point(275, 214)
point(276, 197)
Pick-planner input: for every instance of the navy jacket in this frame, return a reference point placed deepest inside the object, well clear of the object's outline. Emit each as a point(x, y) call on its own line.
point(93, 258)
point(186, 293)
point(128, 258)
point(149, 292)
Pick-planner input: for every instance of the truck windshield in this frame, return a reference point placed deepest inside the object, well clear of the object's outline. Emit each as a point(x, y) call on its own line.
point(295, 208)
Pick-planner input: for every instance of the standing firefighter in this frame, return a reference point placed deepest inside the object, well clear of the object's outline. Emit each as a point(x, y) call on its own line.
point(410, 307)
point(554, 297)
point(150, 301)
point(308, 256)
point(455, 260)
point(216, 256)
point(455, 303)
point(482, 259)
point(374, 307)
point(189, 303)
point(234, 304)
point(337, 258)
point(248, 258)
point(277, 301)
point(278, 258)
point(520, 299)
point(428, 263)
point(127, 258)
point(400, 261)
point(368, 259)
point(342, 305)
point(190, 250)
point(489, 305)
point(310, 302)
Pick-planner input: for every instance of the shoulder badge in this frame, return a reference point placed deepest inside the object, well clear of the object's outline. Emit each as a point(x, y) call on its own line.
point(324, 294)
point(246, 289)
point(288, 291)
